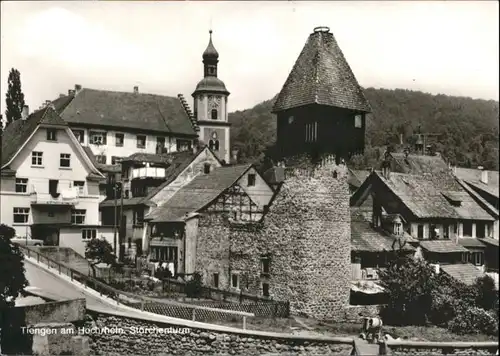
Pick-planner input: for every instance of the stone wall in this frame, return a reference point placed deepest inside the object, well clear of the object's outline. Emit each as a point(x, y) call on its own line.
point(354, 313)
point(439, 348)
point(306, 232)
point(147, 338)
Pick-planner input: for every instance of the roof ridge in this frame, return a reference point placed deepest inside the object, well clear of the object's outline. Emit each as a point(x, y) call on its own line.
point(126, 92)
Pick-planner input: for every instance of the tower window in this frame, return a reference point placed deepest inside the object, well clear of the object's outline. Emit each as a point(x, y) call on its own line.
point(213, 145)
point(311, 132)
point(358, 121)
point(214, 114)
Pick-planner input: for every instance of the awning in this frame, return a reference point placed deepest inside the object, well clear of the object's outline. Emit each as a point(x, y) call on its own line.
point(366, 287)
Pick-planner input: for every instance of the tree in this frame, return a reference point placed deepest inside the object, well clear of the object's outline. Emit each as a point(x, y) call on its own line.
point(12, 278)
point(14, 98)
point(99, 251)
point(409, 283)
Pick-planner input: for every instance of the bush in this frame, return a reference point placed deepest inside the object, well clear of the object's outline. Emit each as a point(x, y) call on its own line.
point(473, 320)
point(194, 286)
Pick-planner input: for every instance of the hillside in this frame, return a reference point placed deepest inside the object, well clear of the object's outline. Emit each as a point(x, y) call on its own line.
point(469, 127)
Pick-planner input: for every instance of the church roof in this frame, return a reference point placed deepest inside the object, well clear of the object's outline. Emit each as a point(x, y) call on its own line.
point(210, 52)
point(128, 111)
point(211, 84)
point(321, 75)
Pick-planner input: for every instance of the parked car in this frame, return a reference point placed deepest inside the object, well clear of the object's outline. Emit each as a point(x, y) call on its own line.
point(27, 241)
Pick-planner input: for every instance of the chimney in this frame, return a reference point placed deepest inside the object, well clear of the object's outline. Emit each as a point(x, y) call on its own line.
point(71, 92)
point(484, 176)
point(25, 113)
point(78, 88)
point(62, 95)
point(400, 138)
point(136, 89)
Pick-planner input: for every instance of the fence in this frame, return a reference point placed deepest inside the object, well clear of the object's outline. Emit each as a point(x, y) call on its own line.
point(157, 306)
point(221, 299)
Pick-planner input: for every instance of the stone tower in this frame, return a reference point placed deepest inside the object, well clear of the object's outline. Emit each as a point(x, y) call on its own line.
point(210, 106)
point(320, 123)
point(321, 107)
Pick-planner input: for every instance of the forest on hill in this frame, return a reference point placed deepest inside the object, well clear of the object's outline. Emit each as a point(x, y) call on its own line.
point(467, 128)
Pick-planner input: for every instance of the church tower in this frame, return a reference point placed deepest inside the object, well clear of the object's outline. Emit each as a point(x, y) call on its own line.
point(210, 106)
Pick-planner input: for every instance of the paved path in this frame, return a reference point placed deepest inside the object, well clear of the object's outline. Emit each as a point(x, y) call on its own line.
point(366, 349)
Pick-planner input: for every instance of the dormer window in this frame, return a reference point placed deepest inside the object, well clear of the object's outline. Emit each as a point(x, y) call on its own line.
point(454, 198)
point(51, 135)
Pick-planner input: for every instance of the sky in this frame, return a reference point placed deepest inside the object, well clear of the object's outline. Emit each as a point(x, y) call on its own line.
point(438, 47)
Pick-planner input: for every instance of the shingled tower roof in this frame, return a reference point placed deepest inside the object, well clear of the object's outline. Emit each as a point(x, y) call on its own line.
point(321, 75)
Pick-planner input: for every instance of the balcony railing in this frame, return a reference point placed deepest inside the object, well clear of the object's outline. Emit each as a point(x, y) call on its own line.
point(65, 197)
point(148, 172)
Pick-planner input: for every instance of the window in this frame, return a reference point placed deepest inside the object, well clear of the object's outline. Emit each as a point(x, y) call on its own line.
point(36, 158)
point(127, 194)
point(311, 132)
point(160, 145)
point(251, 180)
point(446, 232)
point(265, 262)
point(21, 185)
point(476, 258)
point(97, 138)
point(101, 159)
point(235, 280)
point(183, 145)
point(21, 215)
point(115, 160)
point(480, 230)
point(467, 229)
point(78, 216)
point(433, 232)
point(216, 280)
point(358, 121)
point(398, 229)
point(80, 185)
point(89, 234)
point(51, 135)
point(119, 138)
point(265, 289)
point(53, 188)
point(213, 145)
point(141, 141)
point(138, 216)
point(214, 114)
point(206, 168)
point(80, 135)
point(65, 160)
point(420, 231)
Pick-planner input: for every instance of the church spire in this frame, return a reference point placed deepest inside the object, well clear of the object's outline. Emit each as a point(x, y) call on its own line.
point(210, 59)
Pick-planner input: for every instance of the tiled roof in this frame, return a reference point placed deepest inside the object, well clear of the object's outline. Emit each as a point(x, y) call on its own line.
point(425, 200)
point(165, 158)
point(126, 202)
point(431, 167)
point(321, 75)
point(357, 177)
point(463, 272)
point(105, 168)
point(274, 175)
point(442, 246)
point(128, 111)
point(195, 195)
point(366, 238)
point(490, 241)
point(470, 242)
point(473, 177)
point(16, 133)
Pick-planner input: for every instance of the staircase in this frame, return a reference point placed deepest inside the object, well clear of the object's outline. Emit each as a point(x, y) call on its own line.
point(67, 257)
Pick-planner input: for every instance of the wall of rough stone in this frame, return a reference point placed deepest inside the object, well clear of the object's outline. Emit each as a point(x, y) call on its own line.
point(190, 341)
point(307, 234)
point(354, 313)
point(412, 350)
